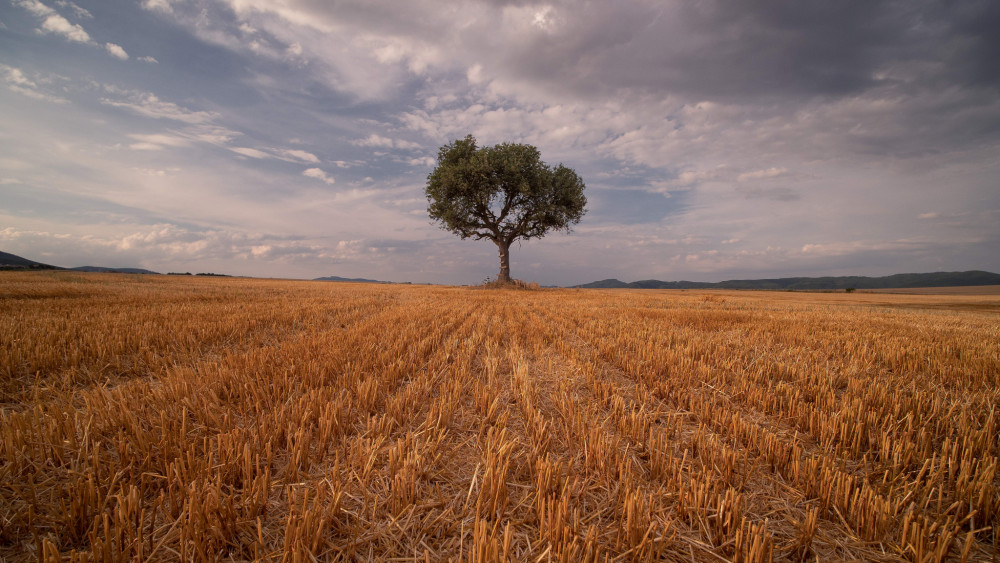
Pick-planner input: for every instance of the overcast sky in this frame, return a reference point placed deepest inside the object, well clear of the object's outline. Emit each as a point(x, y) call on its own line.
point(718, 140)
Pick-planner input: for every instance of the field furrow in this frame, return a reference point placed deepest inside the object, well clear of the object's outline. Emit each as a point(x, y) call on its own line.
point(165, 418)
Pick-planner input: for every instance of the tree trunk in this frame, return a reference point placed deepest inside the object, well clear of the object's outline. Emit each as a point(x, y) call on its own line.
point(504, 275)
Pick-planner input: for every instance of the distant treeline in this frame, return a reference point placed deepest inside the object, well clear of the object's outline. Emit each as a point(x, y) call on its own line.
point(198, 274)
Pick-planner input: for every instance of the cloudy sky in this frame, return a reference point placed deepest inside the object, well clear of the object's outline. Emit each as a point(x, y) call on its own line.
point(718, 140)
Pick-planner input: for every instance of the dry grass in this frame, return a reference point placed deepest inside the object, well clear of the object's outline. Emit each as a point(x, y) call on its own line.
point(512, 284)
point(962, 290)
point(164, 418)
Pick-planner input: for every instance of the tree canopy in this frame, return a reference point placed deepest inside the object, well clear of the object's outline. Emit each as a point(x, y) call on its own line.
point(502, 193)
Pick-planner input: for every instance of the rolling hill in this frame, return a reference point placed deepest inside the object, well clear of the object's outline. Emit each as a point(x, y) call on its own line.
point(895, 281)
point(112, 270)
point(354, 280)
point(13, 262)
point(10, 261)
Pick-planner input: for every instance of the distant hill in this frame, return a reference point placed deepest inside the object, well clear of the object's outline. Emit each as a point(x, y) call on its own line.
point(355, 280)
point(14, 262)
point(113, 270)
point(609, 283)
point(895, 281)
point(646, 284)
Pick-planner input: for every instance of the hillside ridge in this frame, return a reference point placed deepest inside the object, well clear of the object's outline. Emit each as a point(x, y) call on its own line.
point(10, 261)
point(894, 281)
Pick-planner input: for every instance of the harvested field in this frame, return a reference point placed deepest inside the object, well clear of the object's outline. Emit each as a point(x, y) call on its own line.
point(158, 418)
point(962, 290)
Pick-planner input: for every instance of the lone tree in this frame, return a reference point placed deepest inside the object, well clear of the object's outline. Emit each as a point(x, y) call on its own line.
point(502, 193)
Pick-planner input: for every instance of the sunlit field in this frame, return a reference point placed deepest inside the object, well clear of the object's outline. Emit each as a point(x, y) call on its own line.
point(157, 418)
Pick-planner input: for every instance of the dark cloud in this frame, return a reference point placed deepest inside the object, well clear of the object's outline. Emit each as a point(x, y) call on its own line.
point(711, 50)
point(960, 37)
point(765, 49)
point(770, 47)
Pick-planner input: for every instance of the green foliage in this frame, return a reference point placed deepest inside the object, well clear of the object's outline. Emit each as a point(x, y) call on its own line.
point(502, 193)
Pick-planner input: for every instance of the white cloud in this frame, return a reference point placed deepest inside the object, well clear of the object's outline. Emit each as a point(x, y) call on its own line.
point(259, 46)
point(288, 155)
point(148, 59)
point(475, 74)
point(348, 164)
point(762, 174)
point(158, 5)
point(16, 77)
point(18, 82)
point(35, 7)
point(151, 172)
point(691, 177)
point(199, 133)
point(299, 155)
point(318, 174)
point(148, 104)
point(158, 142)
point(425, 161)
point(77, 10)
point(53, 22)
point(116, 51)
point(374, 140)
point(61, 26)
point(252, 153)
point(377, 141)
point(406, 145)
point(209, 133)
point(855, 247)
point(154, 245)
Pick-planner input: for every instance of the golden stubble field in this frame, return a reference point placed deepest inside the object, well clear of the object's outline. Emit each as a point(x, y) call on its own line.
point(161, 418)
